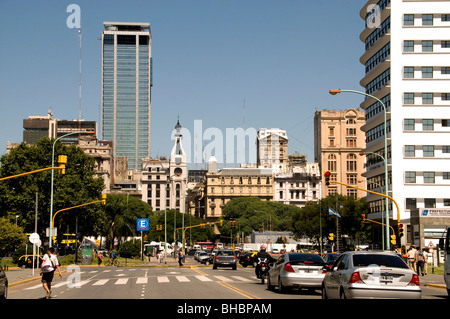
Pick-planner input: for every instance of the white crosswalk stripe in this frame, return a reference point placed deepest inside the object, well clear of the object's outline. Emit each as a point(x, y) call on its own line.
point(121, 281)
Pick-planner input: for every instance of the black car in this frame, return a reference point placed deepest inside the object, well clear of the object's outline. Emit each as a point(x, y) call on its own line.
point(3, 284)
point(248, 259)
point(330, 259)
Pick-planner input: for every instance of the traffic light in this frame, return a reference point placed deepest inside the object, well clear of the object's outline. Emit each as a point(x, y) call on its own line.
point(327, 177)
point(393, 239)
point(62, 160)
point(221, 222)
point(400, 231)
point(232, 224)
point(103, 199)
point(158, 227)
point(331, 236)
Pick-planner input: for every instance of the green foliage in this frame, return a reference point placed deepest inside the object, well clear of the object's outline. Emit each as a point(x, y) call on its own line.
point(11, 236)
point(130, 249)
point(78, 186)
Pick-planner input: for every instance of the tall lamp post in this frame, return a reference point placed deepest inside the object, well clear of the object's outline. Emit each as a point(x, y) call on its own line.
point(334, 92)
point(51, 187)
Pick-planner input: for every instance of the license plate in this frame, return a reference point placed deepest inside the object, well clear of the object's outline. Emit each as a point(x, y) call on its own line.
point(386, 278)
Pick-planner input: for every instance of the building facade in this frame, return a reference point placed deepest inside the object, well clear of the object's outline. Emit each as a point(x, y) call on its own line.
point(126, 90)
point(338, 142)
point(224, 184)
point(272, 149)
point(164, 181)
point(407, 64)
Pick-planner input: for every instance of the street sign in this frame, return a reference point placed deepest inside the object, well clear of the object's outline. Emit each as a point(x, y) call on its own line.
point(34, 238)
point(143, 224)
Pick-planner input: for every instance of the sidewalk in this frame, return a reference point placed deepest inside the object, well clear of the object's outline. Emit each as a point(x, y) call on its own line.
point(18, 275)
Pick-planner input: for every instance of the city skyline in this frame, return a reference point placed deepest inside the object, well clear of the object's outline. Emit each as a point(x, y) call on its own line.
point(230, 65)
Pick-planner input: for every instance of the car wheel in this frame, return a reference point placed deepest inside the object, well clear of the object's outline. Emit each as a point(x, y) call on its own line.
point(214, 266)
point(324, 293)
point(342, 294)
point(234, 267)
point(269, 284)
point(281, 288)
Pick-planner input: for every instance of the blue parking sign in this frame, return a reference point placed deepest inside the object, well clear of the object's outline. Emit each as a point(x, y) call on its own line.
point(143, 224)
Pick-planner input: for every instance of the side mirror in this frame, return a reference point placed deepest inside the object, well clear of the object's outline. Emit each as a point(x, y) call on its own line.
point(441, 243)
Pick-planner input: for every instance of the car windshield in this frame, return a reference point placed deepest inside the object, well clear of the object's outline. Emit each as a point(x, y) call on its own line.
point(309, 259)
point(365, 260)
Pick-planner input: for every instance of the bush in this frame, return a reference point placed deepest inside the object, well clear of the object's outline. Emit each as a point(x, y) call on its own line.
point(130, 249)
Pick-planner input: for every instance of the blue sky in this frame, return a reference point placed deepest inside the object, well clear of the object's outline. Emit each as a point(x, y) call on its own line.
point(280, 57)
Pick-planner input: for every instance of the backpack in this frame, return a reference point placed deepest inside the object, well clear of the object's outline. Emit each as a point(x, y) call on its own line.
point(48, 268)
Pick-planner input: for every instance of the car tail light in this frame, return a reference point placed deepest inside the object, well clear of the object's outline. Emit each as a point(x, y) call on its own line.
point(356, 279)
point(288, 267)
point(217, 257)
point(414, 280)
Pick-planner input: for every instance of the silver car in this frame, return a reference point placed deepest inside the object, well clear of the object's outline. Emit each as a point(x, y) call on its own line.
point(296, 270)
point(370, 275)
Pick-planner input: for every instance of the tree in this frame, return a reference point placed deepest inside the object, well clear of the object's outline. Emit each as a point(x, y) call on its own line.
point(11, 236)
point(79, 185)
point(120, 216)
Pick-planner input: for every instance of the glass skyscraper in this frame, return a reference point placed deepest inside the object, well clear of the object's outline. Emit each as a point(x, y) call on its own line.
point(126, 89)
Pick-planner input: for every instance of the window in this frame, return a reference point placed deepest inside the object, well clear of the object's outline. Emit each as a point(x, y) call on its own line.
point(428, 177)
point(427, 46)
point(445, 17)
point(409, 125)
point(445, 70)
point(430, 202)
point(332, 162)
point(428, 125)
point(352, 179)
point(445, 44)
point(427, 98)
point(410, 177)
point(445, 96)
point(411, 203)
point(408, 46)
point(408, 19)
point(351, 163)
point(446, 201)
point(427, 72)
point(446, 175)
point(427, 19)
point(428, 151)
point(410, 151)
point(445, 148)
point(445, 123)
point(408, 72)
point(408, 98)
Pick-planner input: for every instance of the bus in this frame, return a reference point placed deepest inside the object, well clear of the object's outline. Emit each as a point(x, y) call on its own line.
point(444, 244)
point(205, 244)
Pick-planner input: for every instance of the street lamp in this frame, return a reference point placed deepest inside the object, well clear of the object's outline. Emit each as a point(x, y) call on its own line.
point(51, 187)
point(334, 92)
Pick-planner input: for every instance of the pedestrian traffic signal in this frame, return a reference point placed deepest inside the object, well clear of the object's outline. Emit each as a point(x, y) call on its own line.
point(400, 231)
point(327, 177)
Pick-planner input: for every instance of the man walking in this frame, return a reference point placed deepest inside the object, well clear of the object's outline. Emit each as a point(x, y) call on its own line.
point(49, 265)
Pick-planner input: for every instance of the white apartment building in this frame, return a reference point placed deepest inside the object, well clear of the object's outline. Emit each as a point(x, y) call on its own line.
point(272, 149)
point(407, 64)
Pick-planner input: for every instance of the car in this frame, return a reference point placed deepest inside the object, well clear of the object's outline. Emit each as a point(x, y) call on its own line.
point(248, 259)
point(296, 270)
point(330, 258)
point(3, 284)
point(196, 254)
point(202, 255)
point(370, 275)
point(25, 261)
point(275, 250)
point(206, 259)
point(225, 258)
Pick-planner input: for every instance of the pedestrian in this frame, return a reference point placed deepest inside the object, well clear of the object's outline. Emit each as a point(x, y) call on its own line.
point(49, 265)
point(425, 261)
point(99, 258)
point(149, 254)
point(180, 258)
point(419, 261)
point(412, 258)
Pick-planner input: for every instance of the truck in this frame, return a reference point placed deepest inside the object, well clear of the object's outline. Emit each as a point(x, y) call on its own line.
point(155, 247)
point(444, 244)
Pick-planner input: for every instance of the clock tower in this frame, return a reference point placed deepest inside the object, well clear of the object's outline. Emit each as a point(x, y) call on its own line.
point(178, 173)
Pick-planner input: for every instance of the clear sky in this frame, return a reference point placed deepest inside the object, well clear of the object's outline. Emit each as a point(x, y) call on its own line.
point(210, 57)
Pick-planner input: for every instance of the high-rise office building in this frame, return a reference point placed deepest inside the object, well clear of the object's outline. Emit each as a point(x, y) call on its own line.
point(126, 89)
point(407, 66)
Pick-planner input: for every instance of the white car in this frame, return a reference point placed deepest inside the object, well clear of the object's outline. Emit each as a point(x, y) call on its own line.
point(370, 275)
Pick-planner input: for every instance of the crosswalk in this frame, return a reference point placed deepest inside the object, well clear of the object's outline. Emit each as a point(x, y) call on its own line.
point(125, 279)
